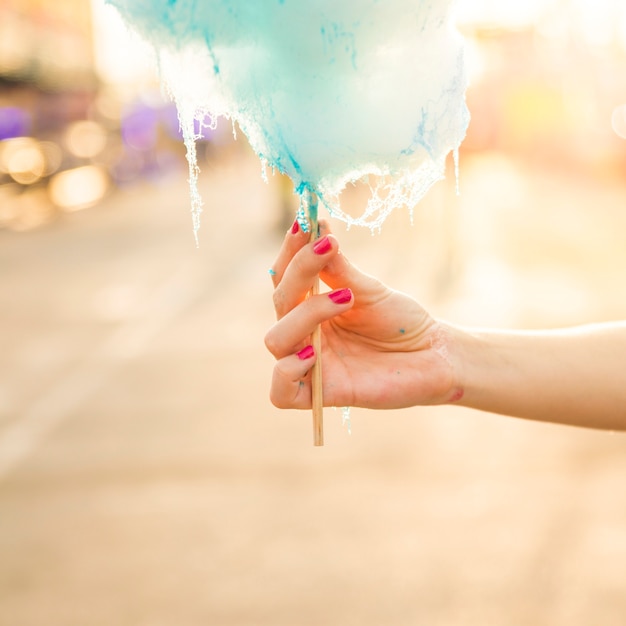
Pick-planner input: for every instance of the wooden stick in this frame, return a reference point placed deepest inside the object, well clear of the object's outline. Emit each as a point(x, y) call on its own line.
point(310, 202)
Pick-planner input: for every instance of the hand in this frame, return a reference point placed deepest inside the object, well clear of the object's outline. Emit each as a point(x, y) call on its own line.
point(380, 349)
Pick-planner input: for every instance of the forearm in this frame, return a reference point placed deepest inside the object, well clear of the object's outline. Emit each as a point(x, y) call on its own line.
point(572, 376)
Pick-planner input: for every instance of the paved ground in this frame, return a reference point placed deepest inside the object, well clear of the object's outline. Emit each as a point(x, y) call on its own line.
point(145, 480)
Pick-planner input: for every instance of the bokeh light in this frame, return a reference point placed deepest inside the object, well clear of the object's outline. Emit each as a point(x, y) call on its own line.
point(22, 159)
point(53, 157)
point(14, 122)
point(618, 120)
point(79, 188)
point(85, 138)
point(114, 326)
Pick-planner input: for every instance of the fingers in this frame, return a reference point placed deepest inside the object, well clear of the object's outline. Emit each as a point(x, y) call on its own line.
point(301, 273)
point(294, 240)
point(339, 272)
point(291, 384)
point(293, 330)
point(294, 270)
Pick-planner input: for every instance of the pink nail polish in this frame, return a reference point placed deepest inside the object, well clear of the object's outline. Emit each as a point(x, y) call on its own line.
point(322, 246)
point(341, 296)
point(295, 227)
point(306, 353)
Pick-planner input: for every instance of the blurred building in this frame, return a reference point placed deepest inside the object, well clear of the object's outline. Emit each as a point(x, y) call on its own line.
point(69, 134)
point(549, 85)
point(48, 44)
point(47, 82)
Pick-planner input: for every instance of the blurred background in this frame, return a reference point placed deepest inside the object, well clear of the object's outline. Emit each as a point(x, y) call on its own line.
point(145, 479)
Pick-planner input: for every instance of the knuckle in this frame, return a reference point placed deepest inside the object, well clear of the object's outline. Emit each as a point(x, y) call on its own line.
point(270, 342)
point(278, 400)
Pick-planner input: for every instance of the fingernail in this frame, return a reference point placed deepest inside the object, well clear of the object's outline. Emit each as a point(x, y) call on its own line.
point(321, 246)
point(295, 227)
point(306, 353)
point(341, 296)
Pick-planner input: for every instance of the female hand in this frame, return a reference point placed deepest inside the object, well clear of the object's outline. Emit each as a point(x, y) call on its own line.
point(380, 349)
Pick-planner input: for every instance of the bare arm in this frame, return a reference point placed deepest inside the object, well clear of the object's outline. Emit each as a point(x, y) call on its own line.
point(571, 376)
point(382, 350)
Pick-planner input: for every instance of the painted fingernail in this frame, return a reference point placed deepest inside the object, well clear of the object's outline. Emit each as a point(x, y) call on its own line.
point(341, 296)
point(295, 227)
point(305, 353)
point(321, 246)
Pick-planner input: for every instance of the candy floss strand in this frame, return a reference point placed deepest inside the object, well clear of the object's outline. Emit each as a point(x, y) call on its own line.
point(329, 93)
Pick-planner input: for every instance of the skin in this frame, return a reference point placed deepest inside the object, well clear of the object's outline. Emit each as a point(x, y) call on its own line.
point(382, 350)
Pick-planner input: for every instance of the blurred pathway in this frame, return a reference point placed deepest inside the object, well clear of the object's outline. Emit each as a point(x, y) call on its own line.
point(145, 480)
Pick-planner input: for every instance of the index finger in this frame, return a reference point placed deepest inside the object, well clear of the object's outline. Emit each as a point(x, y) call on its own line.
point(301, 273)
point(295, 238)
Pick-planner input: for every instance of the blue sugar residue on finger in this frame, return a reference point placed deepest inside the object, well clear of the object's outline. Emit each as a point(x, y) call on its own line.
point(327, 92)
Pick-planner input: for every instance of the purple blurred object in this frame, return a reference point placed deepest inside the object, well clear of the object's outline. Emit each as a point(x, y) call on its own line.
point(140, 127)
point(14, 122)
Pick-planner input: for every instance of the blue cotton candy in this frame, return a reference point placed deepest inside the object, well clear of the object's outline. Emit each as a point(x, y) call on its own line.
point(327, 91)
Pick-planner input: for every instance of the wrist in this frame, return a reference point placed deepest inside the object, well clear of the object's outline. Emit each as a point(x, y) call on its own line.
point(487, 369)
point(446, 345)
point(466, 353)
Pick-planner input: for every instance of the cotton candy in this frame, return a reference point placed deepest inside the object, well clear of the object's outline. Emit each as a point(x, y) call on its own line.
point(329, 92)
